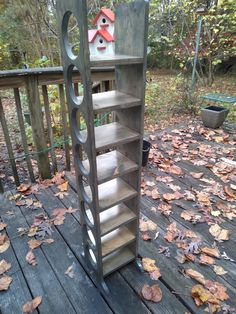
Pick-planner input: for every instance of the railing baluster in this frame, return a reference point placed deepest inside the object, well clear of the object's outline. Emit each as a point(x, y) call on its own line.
point(8, 143)
point(1, 187)
point(65, 126)
point(23, 134)
point(37, 125)
point(49, 126)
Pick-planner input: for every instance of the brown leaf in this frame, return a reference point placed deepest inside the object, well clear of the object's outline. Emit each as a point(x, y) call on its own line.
point(165, 209)
point(4, 242)
point(149, 264)
point(23, 187)
point(30, 306)
point(214, 252)
point(3, 225)
point(218, 233)
point(207, 260)
point(30, 258)
point(63, 187)
point(4, 266)
point(71, 210)
point(155, 194)
point(219, 270)
point(172, 196)
point(48, 241)
point(5, 282)
point(152, 293)
point(147, 225)
point(33, 244)
point(146, 237)
point(195, 275)
point(175, 170)
point(202, 295)
point(203, 198)
point(217, 289)
point(230, 192)
point(69, 272)
point(156, 274)
point(32, 231)
point(59, 212)
point(196, 175)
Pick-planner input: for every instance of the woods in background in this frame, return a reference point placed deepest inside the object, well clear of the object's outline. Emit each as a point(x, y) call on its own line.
point(28, 33)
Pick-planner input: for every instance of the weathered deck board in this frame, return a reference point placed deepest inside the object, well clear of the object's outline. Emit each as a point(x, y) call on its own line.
point(122, 298)
point(40, 278)
point(80, 289)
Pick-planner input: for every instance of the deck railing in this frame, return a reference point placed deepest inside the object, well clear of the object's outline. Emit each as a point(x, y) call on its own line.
point(33, 84)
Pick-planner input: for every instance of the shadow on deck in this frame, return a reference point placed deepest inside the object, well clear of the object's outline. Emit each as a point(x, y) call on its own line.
point(62, 294)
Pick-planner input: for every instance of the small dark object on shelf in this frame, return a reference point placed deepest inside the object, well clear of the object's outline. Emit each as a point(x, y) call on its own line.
point(214, 116)
point(146, 148)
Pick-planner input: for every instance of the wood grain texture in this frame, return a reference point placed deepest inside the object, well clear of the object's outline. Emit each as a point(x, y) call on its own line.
point(112, 165)
point(37, 126)
point(115, 217)
point(113, 192)
point(113, 134)
point(117, 260)
point(112, 100)
point(116, 240)
point(111, 60)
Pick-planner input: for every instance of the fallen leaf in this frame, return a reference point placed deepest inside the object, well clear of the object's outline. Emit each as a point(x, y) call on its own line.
point(3, 225)
point(149, 264)
point(195, 275)
point(215, 213)
point(69, 272)
point(4, 242)
point(217, 289)
point(165, 209)
point(218, 233)
point(48, 241)
point(219, 270)
point(146, 237)
point(214, 252)
point(71, 210)
point(152, 293)
point(172, 196)
point(30, 306)
point(230, 192)
point(5, 282)
point(32, 231)
point(202, 295)
point(147, 225)
point(4, 266)
point(155, 194)
point(30, 258)
point(175, 170)
point(23, 187)
point(196, 175)
point(63, 187)
point(207, 260)
point(61, 195)
point(156, 274)
point(33, 244)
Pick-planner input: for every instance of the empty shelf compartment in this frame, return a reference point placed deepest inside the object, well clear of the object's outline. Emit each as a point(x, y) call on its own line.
point(113, 134)
point(113, 100)
point(117, 260)
point(116, 240)
point(112, 193)
point(115, 217)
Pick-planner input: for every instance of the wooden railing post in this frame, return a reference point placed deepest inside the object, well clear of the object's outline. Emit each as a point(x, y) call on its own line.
point(8, 143)
point(39, 137)
point(1, 187)
point(23, 134)
point(65, 126)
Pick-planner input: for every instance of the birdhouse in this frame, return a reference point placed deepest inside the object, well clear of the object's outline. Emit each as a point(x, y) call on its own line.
point(101, 39)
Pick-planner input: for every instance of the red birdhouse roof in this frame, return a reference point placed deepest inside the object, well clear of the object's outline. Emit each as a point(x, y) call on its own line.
point(92, 34)
point(107, 12)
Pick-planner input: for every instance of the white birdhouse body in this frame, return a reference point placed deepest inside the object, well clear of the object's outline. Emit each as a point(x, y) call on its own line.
point(101, 40)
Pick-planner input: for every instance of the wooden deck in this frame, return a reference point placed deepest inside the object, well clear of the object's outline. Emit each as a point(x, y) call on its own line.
point(62, 294)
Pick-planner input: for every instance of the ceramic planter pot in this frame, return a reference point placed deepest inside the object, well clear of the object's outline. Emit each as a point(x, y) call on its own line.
point(214, 116)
